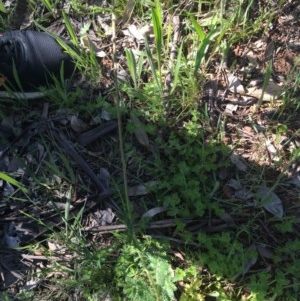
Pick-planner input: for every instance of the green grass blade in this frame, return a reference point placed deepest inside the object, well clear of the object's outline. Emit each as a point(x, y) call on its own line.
point(140, 65)
point(131, 63)
point(70, 29)
point(67, 209)
point(200, 56)
point(246, 13)
point(157, 28)
point(49, 5)
point(16, 76)
point(13, 182)
point(177, 69)
point(151, 62)
point(68, 204)
point(198, 28)
point(265, 83)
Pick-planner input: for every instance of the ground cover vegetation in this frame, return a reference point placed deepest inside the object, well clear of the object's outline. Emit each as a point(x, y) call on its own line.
point(167, 167)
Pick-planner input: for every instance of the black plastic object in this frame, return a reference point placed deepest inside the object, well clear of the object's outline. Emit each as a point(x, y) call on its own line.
point(36, 56)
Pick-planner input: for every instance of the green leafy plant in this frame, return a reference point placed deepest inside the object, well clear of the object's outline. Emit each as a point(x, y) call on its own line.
point(126, 271)
point(2, 7)
point(143, 272)
point(190, 177)
point(220, 254)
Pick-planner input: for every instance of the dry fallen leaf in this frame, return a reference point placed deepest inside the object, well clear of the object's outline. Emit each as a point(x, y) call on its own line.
point(154, 211)
point(251, 261)
point(11, 241)
point(139, 131)
point(137, 33)
point(235, 85)
point(239, 162)
point(230, 108)
point(270, 201)
point(77, 124)
point(252, 57)
point(8, 190)
point(240, 192)
point(55, 247)
point(106, 28)
point(271, 150)
point(264, 251)
point(141, 189)
point(271, 92)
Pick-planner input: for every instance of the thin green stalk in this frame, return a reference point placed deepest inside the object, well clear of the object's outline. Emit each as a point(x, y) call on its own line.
point(177, 69)
point(67, 209)
point(117, 101)
point(265, 83)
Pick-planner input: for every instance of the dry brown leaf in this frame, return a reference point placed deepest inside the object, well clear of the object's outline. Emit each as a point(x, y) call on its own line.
point(272, 91)
point(271, 150)
point(251, 261)
point(252, 57)
point(77, 124)
point(139, 131)
point(106, 28)
point(239, 162)
point(264, 251)
point(235, 85)
point(270, 201)
point(154, 211)
point(54, 247)
point(141, 189)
